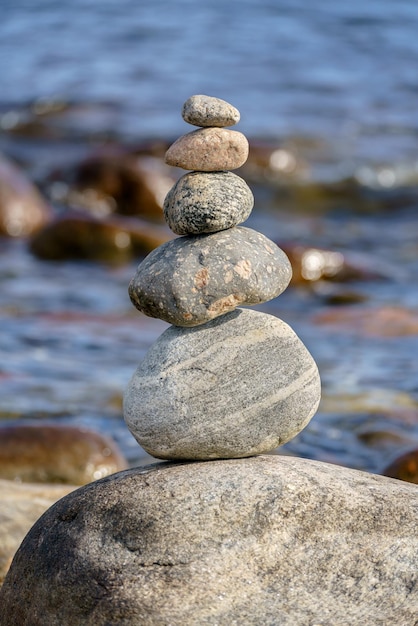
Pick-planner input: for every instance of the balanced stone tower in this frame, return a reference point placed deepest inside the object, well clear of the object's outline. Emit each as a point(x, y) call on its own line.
point(266, 539)
point(221, 382)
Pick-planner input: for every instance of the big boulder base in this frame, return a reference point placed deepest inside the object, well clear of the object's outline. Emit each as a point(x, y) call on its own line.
point(265, 540)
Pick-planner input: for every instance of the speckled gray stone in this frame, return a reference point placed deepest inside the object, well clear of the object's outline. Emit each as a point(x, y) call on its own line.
point(242, 384)
point(209, 150)
point(208, 111)
point(205, 202)
point(266, 541)
point(190, 280)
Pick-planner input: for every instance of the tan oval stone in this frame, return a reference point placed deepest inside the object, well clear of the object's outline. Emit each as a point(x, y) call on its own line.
point(56, 453)
point(209, 150)
point(209, 111)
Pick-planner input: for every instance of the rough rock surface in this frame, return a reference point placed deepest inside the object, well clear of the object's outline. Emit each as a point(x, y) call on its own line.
point(209, 111)
point(207, 202)
point(209, 150)
point(242, 384)
point(190, 280)
point(21, 505)
point(268, 540)
point(57, 453)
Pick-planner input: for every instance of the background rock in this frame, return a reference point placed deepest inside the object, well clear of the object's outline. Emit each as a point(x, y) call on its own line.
point(136, 185)
point(267, 540)
point(404, 467)
point(21, 506)
point(22, 209)
point(57, 454)
point(114, 239)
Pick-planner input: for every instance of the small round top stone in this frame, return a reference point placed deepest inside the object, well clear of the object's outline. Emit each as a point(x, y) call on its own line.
point(208, 111)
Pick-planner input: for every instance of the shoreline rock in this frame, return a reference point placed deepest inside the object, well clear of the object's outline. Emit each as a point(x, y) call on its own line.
point(22, 504)
point(265, 540)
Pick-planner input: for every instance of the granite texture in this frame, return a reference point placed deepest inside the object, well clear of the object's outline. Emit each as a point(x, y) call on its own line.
point(209, 150)
point(206, 202)
point(262, 541)
point(191, 280)
point(242, 384)
point(208, 111)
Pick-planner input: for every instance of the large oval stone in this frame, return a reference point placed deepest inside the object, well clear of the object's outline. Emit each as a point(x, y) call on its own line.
point(190, 280)
point(56, 453)
point(266, 541)
point(207, 202)
point(242, 384)
point(209, 111)
point(209, 150)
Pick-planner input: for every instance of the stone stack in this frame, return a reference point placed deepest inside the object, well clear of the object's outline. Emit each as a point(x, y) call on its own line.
point(221, 382)
point(263, 540)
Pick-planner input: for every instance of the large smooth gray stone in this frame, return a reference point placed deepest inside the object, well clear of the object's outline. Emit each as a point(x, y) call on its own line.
point(271, 541)
point(206, 202)
point(190, 280)
point(242, 384)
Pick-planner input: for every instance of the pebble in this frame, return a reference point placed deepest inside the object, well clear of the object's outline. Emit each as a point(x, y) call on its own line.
point(190, 280)
point(242, 384)
point(209, 150)
point(207, 202)
point(208, 111)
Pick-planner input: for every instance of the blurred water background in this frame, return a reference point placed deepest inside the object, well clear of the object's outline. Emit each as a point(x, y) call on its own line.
point(344, 71)
point(331, 88)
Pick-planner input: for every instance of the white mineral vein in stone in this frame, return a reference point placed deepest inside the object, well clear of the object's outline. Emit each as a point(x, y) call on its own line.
point(251, 338)
point(241, 416)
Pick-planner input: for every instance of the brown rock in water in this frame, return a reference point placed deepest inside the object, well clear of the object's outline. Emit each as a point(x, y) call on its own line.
point(22, 208)
point(405, 467)
point(267, 541)
point(385, 321)
point(209, 150)
point(56, 454)
point(137, 186)
point(113, 239)
point(311, 264)
point(21, 505)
